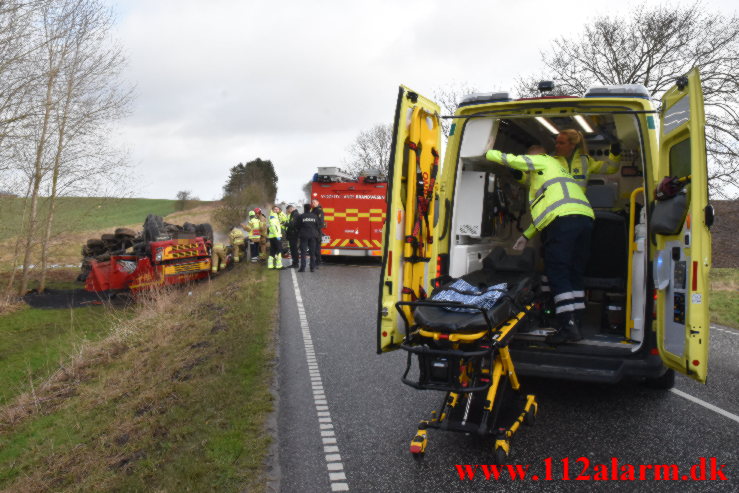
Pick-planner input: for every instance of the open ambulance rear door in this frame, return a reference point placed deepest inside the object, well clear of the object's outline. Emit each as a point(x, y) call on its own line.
point(409, 249)
point(680, 227)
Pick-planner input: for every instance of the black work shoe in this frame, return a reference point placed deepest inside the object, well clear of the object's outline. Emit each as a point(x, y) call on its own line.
point(313, 270)
point(301, 270)
point(567, 332)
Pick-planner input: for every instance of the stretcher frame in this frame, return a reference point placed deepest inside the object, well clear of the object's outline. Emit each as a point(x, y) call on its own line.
point(479, 367)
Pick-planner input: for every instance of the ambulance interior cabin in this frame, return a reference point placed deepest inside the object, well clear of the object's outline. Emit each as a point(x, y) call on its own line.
point(491, 209)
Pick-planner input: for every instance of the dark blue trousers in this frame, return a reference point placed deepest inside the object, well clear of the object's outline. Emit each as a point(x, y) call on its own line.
point(566, 252)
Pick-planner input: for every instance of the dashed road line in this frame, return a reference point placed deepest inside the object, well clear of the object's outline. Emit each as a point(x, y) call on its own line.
point(705, 404)
point(725, 331)
point(334, 464)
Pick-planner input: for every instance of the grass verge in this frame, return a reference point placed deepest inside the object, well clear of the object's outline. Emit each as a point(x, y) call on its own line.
point(725, 297)
point(34, 342)
point(174, 400)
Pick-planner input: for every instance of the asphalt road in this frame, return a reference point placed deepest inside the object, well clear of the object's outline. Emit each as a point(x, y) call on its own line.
point(345, 420)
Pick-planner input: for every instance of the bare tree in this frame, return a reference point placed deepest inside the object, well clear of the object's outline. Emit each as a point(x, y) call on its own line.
point(370, 150)
point(90, 97)
point(449, 97)
point(183, 197)
point(654, 46)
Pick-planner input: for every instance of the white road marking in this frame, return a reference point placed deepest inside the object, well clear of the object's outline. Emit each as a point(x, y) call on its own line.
point(333, 459)
point(706, 404)
point(726, 331)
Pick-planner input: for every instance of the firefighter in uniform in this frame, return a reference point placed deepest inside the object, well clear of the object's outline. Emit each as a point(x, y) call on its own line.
point(572, 153)
point(236, 236)
point(263, 243)
point(218, 257)
point(562, 213)
point(255, 234)
point(274, 233)
point(310, 237)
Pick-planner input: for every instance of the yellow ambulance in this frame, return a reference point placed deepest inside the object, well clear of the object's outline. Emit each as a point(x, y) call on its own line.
point(646, 281)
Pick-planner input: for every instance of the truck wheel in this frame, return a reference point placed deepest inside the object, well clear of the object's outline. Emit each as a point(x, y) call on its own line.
point(95, 243)
point(125, 233)
point(665, 382)
point(153, 226)
point(205, 230)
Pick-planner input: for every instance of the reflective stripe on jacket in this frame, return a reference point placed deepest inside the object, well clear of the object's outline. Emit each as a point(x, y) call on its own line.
point(581, 167)
point(256, 229)
point(552, 191)
point(274, 228)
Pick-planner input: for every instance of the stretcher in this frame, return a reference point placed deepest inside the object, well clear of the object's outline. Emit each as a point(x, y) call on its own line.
point(462, 350)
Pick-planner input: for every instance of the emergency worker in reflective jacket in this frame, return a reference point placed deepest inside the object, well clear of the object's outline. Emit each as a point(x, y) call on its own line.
point(255, 234)
point(562, 213)
point(218, 257)
point(236, 237)
point(572, 153)
point(274, 234)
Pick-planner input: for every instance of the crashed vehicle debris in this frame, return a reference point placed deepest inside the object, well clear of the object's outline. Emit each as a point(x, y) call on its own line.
point(162, 254)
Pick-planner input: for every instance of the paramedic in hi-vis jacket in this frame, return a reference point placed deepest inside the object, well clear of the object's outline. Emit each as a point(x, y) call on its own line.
point(274, 233)
point(562, 213)
point(572, 153)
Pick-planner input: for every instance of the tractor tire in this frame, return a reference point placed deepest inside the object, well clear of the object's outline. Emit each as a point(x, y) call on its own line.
point(205, 230)
point(153, 227)
point(95, 243)
point(108, 237)
point(125, 233)
point(190, 227)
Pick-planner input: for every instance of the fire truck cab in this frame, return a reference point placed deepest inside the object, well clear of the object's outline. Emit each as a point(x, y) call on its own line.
point(354, 211)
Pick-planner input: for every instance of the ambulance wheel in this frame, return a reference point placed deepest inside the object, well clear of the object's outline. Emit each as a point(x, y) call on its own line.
point(530, 418)
point(500, 456)
point(665, 382)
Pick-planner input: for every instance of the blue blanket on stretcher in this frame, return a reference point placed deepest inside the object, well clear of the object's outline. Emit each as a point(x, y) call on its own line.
point(463, 292)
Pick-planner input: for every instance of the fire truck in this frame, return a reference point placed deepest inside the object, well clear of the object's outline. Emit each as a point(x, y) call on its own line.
point(354, 211)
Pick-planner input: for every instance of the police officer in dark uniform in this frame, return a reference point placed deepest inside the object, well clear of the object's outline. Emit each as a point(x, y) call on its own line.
point(309, 230)
point(293, 234)
point(315, 208)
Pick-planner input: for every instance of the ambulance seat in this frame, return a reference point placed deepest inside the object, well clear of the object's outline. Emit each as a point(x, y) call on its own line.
point(498, 267)
point(608, 261)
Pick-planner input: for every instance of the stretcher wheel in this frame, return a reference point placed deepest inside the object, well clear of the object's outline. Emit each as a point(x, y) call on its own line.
point(500, 455)
point(418, 456)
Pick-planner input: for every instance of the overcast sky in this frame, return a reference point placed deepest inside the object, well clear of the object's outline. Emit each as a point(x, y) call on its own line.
point(226, 81)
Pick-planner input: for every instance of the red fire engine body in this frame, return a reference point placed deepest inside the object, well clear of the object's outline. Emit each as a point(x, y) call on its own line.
point(174, 261)
point(354, 212)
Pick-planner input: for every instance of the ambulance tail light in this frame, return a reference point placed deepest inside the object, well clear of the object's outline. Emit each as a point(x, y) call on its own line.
point(442, 269)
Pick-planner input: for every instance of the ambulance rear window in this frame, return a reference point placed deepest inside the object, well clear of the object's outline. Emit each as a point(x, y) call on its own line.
point(680, 159)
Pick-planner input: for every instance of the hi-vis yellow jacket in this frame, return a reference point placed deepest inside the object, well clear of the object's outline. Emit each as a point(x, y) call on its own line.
point(255, 228)
point(552, 190)
point(581, 167)
point(274, 228)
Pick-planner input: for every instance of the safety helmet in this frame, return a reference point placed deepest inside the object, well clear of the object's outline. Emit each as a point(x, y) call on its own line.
point(257, 210)
point(251, 214)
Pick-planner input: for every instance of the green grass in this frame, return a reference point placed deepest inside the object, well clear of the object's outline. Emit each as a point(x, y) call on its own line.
point(33, 341)
point(181, 407)
point(725, 297)
point(85, 213)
